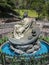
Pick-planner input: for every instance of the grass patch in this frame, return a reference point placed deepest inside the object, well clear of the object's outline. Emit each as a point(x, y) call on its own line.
point(2, 40)
point(31, 13)
point(45, 38)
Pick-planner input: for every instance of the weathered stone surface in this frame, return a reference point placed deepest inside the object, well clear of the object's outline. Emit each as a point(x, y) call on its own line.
point(36, 47)
point(20, 28)
point(24, 41)
point(30, 50)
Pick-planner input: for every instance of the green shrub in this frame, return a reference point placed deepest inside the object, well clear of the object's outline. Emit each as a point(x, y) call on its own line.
point(4, 39)
point(1, 41)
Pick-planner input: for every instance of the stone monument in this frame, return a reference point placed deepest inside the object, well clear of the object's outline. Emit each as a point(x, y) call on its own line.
point(25, 37)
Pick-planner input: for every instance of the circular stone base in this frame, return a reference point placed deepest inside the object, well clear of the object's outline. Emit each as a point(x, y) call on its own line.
point(25, 49)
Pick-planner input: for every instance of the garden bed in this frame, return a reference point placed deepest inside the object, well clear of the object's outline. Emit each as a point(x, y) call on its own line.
point(2, 40)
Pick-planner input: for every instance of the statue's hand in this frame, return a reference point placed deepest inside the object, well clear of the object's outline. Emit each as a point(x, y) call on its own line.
point(21, 29)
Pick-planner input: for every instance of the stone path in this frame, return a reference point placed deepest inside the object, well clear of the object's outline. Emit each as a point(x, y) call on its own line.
point(6, 30)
